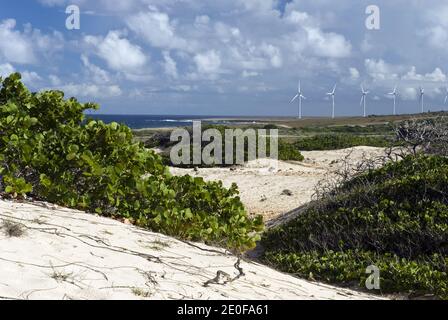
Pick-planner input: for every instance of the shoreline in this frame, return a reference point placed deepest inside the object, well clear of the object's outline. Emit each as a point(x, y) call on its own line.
point(290, 122)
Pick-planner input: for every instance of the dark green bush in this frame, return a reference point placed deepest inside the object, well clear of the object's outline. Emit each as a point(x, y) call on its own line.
point(395, 217)
point(270, 126)
point(286, 151)
point(386, 129)
point(339, 141)
point(421, 276)
point(49, 152)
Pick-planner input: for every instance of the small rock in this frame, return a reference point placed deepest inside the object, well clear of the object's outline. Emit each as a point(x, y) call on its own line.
point(287, 192)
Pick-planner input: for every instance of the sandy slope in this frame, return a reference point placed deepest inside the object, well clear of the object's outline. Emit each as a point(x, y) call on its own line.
point(262, 187)
point(66, 254)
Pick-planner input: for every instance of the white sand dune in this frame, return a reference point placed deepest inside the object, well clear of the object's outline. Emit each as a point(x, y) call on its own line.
point(262, 186)
point(67, 254)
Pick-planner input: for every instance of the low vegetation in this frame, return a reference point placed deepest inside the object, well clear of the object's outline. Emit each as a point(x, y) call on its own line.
point(372, 129)
point(286, 150)
point(50, 152)
point(293, 141)
point(339, 141)
point(394, 217)
point(12, 229)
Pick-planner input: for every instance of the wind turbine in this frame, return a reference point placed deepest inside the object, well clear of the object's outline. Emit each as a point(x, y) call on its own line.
point(363, 99)
point(395, 94)
point(332, 94)
point(422, 94)
point(299, 96)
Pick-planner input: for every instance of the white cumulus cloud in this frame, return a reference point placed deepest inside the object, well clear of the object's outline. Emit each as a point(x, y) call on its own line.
point(14, 46)
point(6, 69)
point(208, 62)
point(119, 53)
point(170, 66)
point(156, 28)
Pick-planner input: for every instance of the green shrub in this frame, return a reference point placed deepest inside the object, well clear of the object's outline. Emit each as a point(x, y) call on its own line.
point(270, 126)
point(395, 217)
point(286, 151)
point(386, 129)
point(49, 152)
point(425, 275)
point(339, 141)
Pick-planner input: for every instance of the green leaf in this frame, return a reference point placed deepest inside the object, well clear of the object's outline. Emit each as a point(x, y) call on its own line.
point(71, 156)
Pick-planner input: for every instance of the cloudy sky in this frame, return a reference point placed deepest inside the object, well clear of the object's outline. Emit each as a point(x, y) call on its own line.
point(229, 57)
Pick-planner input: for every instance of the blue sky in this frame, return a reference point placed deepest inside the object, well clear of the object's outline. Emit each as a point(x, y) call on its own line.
point(223, 57)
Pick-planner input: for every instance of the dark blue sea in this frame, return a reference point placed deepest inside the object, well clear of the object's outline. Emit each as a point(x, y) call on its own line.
point(154, 121)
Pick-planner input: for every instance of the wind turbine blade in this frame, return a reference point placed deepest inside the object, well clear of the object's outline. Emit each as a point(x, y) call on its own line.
point(362, 100)
point(334, 89)
point(293, 99)
point(303, 97)
point(299, 88)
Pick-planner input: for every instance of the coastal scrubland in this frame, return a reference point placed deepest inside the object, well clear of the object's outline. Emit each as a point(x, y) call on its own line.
point(49, 151)
point(388, 209)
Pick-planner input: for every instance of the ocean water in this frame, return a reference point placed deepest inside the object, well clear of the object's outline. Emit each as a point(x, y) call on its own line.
point(155, 121)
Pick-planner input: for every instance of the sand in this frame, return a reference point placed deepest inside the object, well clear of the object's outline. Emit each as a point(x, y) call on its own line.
point(275, 191)
point(67, 254)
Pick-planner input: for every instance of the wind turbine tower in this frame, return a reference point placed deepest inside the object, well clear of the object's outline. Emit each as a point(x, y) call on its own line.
point(363, 99)
point(422, 94)
point(299, 96)
point(394, 94)
point(332, 94)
